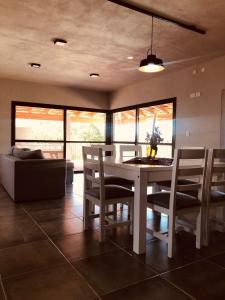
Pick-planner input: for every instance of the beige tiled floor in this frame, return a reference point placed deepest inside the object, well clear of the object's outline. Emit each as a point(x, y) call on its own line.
point(45, 254)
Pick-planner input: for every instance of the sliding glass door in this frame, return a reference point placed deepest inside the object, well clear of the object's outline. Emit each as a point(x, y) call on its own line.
point(83, 128)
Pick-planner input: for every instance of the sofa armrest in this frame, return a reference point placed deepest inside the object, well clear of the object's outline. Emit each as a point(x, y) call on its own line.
point(7, 173)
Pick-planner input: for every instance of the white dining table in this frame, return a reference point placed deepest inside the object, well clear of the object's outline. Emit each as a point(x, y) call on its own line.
point(142, 175)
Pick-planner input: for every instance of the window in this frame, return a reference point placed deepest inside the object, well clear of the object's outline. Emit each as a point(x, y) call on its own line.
point(59, 132)
point(160, 116)
point(83, 129)
point(131, 126)
point(40, 127)
point(124, 126)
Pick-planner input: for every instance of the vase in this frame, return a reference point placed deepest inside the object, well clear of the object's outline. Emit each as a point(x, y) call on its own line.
point(151, 151)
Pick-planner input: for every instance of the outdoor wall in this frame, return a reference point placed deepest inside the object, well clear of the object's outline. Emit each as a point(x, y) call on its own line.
point(200, 116)
point(12, 90)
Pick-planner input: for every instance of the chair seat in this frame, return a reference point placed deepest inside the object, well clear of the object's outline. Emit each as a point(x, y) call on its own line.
point(111, 192)
point(182, 200)
point(217, 196)
point(114, 180)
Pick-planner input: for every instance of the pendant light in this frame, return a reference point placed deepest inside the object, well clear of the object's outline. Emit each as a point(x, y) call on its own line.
point(151, 64)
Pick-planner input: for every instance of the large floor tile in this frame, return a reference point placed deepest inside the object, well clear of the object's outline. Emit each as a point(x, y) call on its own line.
point(122, 237)
point(58, 283)
point(48, 204)
point(52, 214)
point(28, 257)
point(111, 271)
point(156, 254)
point(152, 289)
point(63, 227)
point(203, 280)
point(77, 210)
point(2, 296)
point(9, 208)
point(219, 259)
point(15, 230)
point(83, 245)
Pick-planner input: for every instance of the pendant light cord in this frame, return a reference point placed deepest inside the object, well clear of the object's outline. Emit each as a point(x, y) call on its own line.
point(152, 32)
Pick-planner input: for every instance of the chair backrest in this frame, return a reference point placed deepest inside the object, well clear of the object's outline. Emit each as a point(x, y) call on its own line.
point(194, 172)
point(93, 165)
point(109, 150)
point(136, 149)
point(215, 171)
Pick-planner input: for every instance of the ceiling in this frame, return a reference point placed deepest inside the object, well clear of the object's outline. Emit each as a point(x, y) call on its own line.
point(101, 35)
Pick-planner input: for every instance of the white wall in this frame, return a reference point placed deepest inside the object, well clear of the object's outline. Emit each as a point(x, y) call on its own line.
point(12, 90)
point(201, 116)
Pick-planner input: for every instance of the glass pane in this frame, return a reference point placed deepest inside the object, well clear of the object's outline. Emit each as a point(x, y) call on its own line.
point(50, 150)
point(38, 123)
point(85, 126)
point(158, 116)
point(124, 126)
point(163, 151)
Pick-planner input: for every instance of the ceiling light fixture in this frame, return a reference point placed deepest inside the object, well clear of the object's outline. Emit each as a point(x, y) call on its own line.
point(130, 57)
point(59, 42)
point(151, 64)
point(35, 65)
point(94, 75)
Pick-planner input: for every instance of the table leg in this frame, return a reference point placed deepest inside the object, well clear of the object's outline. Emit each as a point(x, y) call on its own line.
point(140, 206)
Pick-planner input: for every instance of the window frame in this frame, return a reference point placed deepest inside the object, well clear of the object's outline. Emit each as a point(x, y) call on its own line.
point(137, 108)
point(64, 141)
point(109, 122)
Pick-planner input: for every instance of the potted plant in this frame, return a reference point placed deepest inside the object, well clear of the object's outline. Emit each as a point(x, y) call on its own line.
point(154, 140)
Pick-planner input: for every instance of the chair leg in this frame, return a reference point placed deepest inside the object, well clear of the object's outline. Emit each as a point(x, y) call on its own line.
point(92, 208)
point(205, 228)
point(86, 209)
point(115, 212)
point(102, 224)
point(131, 217)
point(171, 236)
point(199, 230)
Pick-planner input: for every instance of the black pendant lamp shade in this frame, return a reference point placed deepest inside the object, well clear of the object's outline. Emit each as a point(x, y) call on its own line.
point(151, 64)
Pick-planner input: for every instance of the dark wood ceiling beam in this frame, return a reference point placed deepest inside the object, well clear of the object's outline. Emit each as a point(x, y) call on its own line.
point(156, 15)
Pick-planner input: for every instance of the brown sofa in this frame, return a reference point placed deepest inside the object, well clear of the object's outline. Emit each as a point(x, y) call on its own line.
point(33, 179)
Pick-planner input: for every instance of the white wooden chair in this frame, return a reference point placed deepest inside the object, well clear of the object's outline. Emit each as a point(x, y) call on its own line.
point(215, 188)
point(110, 179)
point(111, 149)
point(176, 203)
point(166, 185)
point(96, 192)
point(136, 149)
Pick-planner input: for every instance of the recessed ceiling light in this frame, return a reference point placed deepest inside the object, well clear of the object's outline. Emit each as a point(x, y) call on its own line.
point(130, 57)
point(94, 75)
point(35, 65)
point(59, 42)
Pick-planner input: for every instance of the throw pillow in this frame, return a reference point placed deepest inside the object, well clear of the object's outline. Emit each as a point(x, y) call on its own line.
point(14, 148)
point(35, 154)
